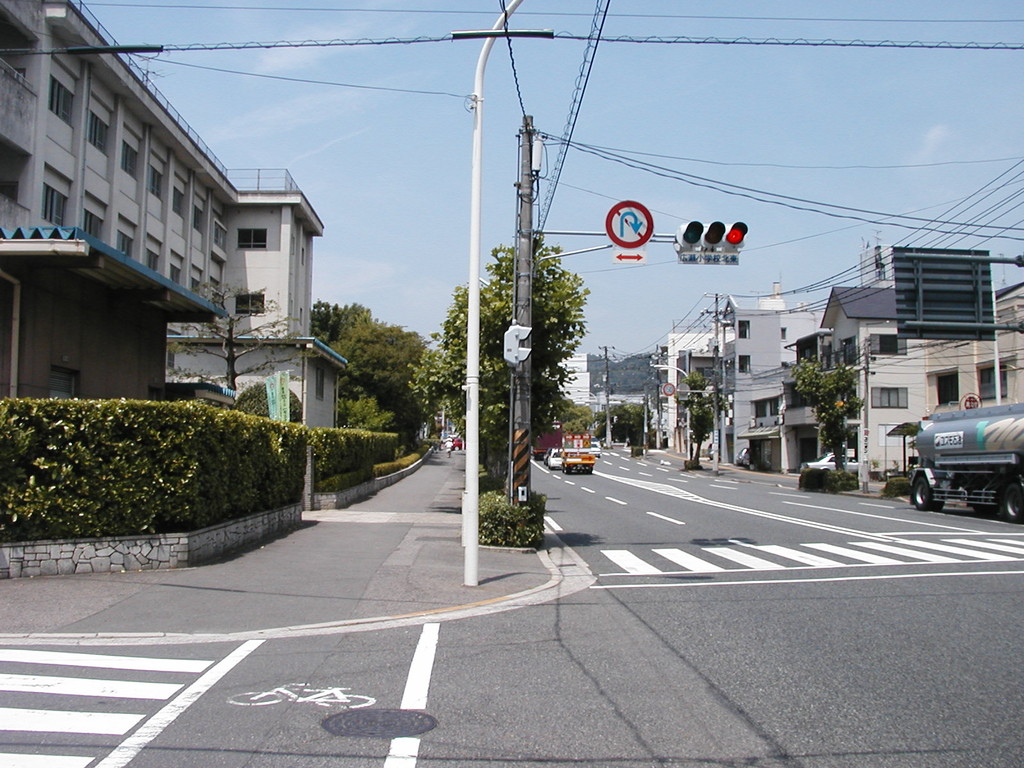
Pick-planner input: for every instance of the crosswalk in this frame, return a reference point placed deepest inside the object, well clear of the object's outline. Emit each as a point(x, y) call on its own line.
point(737, 555)
point(86, 701)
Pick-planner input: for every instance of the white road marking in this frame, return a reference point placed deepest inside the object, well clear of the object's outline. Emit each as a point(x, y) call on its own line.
point(616, 501)
point(819, 580)
point(667, 519)
point(103, 661)
point(629, 562)
point(53, 721)
point(552, 524)
point(79, 686)
point(12, 760)
point(688, 561)
point(128, 749)
point(404, 750)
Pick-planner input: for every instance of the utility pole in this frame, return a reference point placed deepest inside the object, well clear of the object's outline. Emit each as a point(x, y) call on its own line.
point(865, 469)
point(522, 309)
point(716, 373)
point(607, 398)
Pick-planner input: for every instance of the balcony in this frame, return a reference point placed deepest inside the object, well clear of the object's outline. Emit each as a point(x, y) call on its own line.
point(18, 115)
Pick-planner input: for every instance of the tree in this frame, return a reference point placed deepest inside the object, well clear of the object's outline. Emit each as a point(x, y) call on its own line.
point(375, 389)
point(700, 406)
point(243, 341)
point(558, 328)
point(830, 393)
point(575, 419)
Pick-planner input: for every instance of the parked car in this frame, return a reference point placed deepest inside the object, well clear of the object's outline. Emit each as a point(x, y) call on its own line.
point(828, 461)
point(743, 458)
point(457, 443)
point(553, 459)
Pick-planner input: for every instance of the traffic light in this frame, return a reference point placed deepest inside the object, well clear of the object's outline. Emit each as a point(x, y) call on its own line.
point(515, 335)
point(694, 238)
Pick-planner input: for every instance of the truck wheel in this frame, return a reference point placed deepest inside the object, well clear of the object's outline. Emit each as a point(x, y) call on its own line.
point(921, 496)
point(1011, 505)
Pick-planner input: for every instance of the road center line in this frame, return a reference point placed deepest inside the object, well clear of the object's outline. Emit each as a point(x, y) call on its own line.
point(669, 519)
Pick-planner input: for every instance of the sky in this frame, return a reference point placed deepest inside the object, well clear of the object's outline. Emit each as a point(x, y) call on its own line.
point(820, 149)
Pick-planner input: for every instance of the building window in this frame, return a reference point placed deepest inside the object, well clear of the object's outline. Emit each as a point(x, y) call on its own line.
point(888, 397)
point(63, 383)
point(849, 353)
point(743, 363)
point(987, 382)
point(177, 201)
point(319, 382)
point(252, 238)
point(96, 132)
point(948, 388)
point(174, 272)
point(92, 224)
point(61, 100)
point(782, 333)
point(249, 304)
point(129, 158)
point(153, 260)
point(124, 243)
point(54, 205)
point(197, 218)
point(743, 329)
point(765, 408)
point(155, 182)
point(220, 235)
point(888, 344)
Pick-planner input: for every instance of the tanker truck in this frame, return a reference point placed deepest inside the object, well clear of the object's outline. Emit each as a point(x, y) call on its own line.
point(975, 457)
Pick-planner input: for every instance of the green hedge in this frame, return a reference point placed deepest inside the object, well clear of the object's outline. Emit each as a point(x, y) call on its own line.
point(895, 487)
point(828, 480)
point(88, 468)
point(343, 455)
point(503, 524)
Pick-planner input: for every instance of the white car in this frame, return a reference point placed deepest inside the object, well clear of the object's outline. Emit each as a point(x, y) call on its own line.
point(553, 459)
point(828, 461)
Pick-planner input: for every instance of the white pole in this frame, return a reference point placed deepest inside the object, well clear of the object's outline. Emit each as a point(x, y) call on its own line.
point(471, 496)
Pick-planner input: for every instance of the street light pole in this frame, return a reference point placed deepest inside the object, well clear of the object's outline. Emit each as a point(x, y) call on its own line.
point(471, 495)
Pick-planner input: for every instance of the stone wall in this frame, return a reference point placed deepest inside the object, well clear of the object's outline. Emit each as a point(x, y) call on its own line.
point(144, 553)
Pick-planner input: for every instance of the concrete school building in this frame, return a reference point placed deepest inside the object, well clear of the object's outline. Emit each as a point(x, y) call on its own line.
point(115, 216)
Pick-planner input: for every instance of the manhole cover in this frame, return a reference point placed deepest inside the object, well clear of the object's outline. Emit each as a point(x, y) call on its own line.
point(382, 723)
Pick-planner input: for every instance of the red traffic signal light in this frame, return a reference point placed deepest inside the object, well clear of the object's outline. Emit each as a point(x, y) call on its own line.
point(735, 235)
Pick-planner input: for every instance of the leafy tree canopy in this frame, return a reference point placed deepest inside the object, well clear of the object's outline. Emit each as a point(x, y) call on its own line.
point(833, 400)
point(558, 326)
point(375, 389)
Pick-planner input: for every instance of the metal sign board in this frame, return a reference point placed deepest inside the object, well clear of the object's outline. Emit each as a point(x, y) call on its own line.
point(709, 257)
point(629, 224)
point(943, 293)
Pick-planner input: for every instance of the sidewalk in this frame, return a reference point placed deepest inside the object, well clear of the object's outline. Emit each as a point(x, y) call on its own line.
point(395, 554)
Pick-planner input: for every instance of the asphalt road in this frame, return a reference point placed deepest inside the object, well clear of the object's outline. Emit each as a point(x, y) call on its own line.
point(731, 621)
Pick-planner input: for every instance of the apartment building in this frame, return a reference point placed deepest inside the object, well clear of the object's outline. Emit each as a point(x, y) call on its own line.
point(115, 219)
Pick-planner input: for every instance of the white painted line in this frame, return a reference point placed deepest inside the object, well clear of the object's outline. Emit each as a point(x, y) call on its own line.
point(648, 474)
point(743, 558)
point(724, 487)
point(794, 554)
point(80, 686)
point(552, 524)
point(1015, 550)
point(570, 482)
point(878, 506)
point(662, 469)
point(928, 557)
point(820, 580)
point(688, 561)
point(961, 551)
point(667, 519)
point(853, 554)
point(58, 721)
point(12, 760)
point(629, 562)
point(103, 661)
point(418, 682)
point(616, 501)
point(129, 749)
point(591, 490)
point(404, 750)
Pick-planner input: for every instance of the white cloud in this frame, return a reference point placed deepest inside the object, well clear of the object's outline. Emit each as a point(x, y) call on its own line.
point(933, 143)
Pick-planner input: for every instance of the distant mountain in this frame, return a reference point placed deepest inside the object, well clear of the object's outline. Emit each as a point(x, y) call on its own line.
point(632, 375)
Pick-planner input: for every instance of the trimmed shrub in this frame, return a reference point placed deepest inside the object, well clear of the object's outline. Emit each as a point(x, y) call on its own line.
point(503, 524)
point(692, 465)
point(896, 486)
point(828, 480)
point(346, 451)
point(253, 399)
point(89, 468)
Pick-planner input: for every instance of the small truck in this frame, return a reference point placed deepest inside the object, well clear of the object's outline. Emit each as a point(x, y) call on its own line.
point(577, 456)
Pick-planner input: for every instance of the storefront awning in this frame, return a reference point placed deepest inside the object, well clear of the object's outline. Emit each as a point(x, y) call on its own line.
point(760, 433)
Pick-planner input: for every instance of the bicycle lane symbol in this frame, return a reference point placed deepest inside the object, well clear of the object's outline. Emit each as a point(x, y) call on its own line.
point(303, 693)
